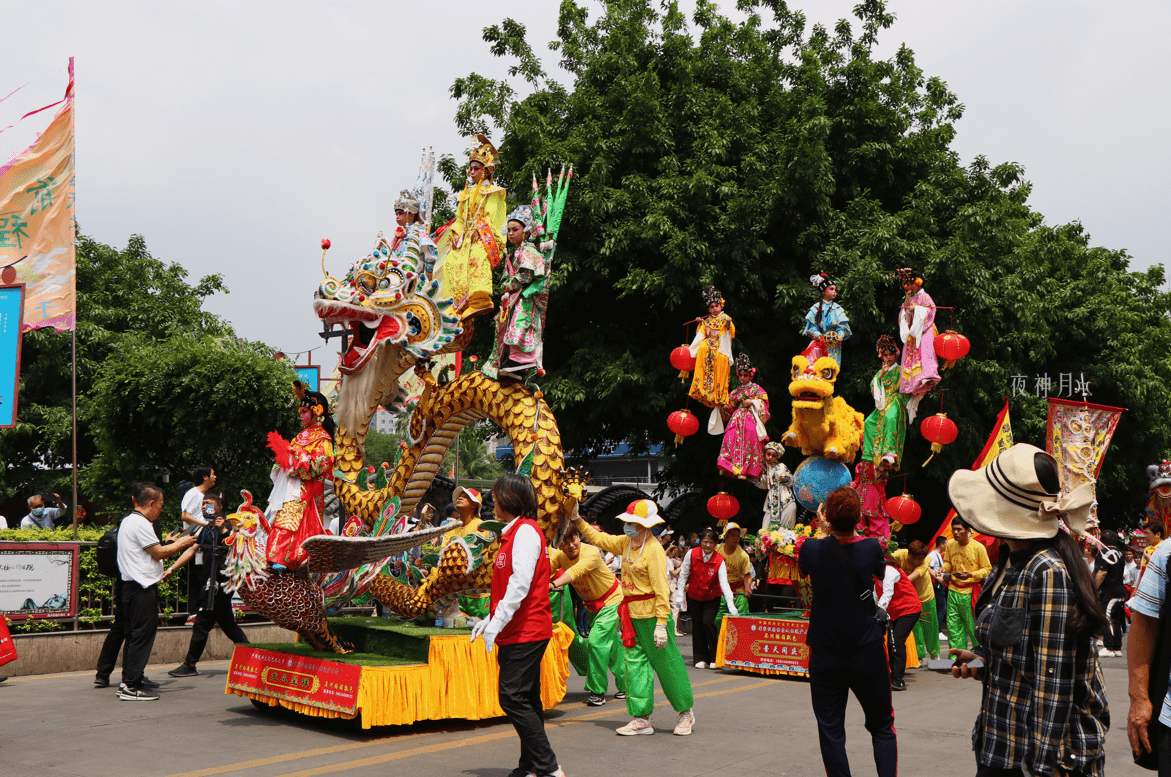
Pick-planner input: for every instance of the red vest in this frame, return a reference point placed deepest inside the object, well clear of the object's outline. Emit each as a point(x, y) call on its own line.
point(533, 620)
point(904, 600)
point(703, 581)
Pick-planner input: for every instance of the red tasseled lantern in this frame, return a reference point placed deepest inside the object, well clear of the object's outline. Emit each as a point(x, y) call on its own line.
point(903, 509)
point(682, 360)
point(723, 506)
point(950, 346)
point(940, 431)
point(683, 423)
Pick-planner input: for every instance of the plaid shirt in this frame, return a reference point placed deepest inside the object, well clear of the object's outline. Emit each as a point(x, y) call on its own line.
point(1044, 706)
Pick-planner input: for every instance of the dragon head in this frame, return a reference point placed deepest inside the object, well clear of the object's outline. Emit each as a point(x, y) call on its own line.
point(812, 387)
point(385, 300)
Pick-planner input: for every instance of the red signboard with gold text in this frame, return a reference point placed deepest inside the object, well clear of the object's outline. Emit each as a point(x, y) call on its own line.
point(777, 644)
point(326, 684)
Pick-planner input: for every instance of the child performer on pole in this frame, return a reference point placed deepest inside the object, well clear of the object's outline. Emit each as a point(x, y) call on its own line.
point(648, 634)
point(583, 567)
point(521, 621)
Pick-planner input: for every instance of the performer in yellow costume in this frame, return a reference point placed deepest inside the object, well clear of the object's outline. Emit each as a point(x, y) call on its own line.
point(739, 570)
point(470, 246)
point(583, 567)
point(712, 349)
point(468, 502)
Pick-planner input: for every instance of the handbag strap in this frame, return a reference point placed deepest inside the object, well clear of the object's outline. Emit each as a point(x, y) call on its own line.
point(869, 606)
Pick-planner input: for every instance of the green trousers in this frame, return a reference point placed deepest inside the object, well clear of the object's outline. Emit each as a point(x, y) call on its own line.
point(927, 631)
point(960, 623)
point(644, 661)
point(477, 607)
point(741, 602)
point(604, 651)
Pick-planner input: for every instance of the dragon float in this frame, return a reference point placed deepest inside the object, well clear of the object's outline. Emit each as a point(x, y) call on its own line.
point(398, 324)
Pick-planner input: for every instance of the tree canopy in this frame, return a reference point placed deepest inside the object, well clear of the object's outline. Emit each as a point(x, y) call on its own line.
point(749, 155)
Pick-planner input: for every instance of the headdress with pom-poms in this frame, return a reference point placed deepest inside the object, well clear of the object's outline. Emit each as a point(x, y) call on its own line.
point(820, 282)
point(744, 364)
point(406, 202)
point(887, 344)
point(712, 296)
point(316, 401)
point(484, 152)
point(523, 215)
point(908, 275)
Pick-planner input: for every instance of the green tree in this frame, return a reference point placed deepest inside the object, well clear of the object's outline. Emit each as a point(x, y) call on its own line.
point(749, 155)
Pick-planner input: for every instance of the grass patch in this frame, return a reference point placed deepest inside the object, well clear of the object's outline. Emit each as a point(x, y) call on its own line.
point(359, 659)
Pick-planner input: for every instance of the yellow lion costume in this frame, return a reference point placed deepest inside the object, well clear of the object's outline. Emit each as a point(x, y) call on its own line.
point(823, 424)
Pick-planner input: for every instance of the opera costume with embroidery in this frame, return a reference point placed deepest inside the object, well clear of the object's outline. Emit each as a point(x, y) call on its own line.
point(826, 323)
point(742, 453)
point(520, 325)
point(885, 430)
point(920, 369)
point(712, 349)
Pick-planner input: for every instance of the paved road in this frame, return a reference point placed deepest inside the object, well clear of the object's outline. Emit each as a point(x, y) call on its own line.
point(747, 725)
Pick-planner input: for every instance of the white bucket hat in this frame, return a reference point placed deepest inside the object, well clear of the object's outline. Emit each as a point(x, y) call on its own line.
point(644, 512)
point(1006, 500)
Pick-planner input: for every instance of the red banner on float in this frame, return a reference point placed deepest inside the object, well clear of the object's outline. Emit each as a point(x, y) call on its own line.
point(766, 643)
point(330, 685)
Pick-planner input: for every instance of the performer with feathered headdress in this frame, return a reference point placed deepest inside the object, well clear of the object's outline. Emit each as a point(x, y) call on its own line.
point(520, 326)
point(742, 454)
point(712, 349)
point(885, 430)
point(826, 324)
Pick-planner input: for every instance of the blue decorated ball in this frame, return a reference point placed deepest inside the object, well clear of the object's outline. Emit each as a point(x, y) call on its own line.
point(816, 477)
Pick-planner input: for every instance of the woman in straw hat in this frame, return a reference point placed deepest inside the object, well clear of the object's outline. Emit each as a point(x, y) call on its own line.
point(1044, 707)
point(648, 634)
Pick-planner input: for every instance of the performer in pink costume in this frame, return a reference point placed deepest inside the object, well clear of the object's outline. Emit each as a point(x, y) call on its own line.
point(742, 454)
point(917, 330)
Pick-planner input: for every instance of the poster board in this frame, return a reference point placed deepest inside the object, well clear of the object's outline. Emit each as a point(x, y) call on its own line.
point(38, 580)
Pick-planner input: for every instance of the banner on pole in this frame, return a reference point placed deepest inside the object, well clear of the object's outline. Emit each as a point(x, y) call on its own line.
point(11, 305)
point(37, 244)
point(998, 442)
point(1078, 437)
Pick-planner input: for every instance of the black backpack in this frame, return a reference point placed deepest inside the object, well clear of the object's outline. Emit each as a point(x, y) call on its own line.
point(107, 553)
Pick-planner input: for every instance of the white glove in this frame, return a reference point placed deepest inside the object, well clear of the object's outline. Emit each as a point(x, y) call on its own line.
point(732, 609)
point(660, 635)
point(481, 630)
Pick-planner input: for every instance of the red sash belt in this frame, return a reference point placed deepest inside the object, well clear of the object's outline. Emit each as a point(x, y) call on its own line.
point(624, 614)
point(595, 605)
point(738, 585)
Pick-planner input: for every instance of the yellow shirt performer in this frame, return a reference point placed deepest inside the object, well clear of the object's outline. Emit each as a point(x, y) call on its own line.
point(583, 567)
point(648, 635)
point(913, 561)
point(739, 570)
point(471, 245)
point(967, 563)
point(468, 502)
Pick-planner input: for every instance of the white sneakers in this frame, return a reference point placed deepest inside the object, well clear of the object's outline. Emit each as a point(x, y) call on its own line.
point(700, 665)
point(638, 727)
point(683, 726)
point(1104, 653)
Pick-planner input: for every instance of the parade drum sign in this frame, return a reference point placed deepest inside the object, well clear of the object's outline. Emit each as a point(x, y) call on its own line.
point(1079, 436)
point(11, 300)
point(38, 580)
point(767, 643)
point(329, 685)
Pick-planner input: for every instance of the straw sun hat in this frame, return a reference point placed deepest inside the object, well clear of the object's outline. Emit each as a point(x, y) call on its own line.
point(1007, 500)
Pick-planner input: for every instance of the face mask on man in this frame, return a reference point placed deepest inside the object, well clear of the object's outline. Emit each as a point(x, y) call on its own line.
point(38, 511)
point(631, 529)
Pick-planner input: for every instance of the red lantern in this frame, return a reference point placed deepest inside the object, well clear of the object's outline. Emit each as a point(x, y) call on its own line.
point(683, 423)
point(682, 360)
point(950, 346)
point(903, 509)
point(940, 431)
point(723, 506)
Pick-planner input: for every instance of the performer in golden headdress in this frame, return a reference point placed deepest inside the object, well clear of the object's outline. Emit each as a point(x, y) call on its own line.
point(469, 246)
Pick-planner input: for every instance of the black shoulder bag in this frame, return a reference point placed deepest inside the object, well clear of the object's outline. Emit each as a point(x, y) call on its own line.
point(866, 597)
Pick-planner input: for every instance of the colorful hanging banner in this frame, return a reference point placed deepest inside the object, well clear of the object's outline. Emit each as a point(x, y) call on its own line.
point(1079, 436)
point(998, 442)
point(37, 245)
point(11, 304)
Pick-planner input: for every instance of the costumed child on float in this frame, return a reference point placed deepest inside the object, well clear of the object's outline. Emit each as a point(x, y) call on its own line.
point(742, 453)
point(583, 567)
point(780, 505)
point(712, 350)
point(648, 631)
point(297, 501)
point(826, 323)
point(885, 429)
point(519, 346)
point(920, 368)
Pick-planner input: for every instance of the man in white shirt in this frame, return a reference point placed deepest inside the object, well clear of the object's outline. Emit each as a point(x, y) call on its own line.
point(204, 478)
point(140, 563)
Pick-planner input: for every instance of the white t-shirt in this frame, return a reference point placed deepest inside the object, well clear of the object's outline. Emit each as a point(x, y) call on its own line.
point(135, 535)
point(192, 503)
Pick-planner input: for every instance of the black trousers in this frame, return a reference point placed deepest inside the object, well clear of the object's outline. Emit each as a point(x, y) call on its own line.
point(142, 621)
point(703, 628)
point(1112, 635)
point(900, 629)
point(108, 658)
point(206, 620)
point(993, 771)
point(520, 698)
point(831, 678)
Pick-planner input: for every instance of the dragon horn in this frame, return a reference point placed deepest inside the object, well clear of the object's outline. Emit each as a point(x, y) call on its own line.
point(247, 496)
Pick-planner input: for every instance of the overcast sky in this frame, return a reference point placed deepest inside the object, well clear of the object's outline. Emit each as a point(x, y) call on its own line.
point(234, 136)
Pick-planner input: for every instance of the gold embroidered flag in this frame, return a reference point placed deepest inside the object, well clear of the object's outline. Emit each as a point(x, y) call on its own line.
point(998, 442)
point(37, 243)
point(1079, 436)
